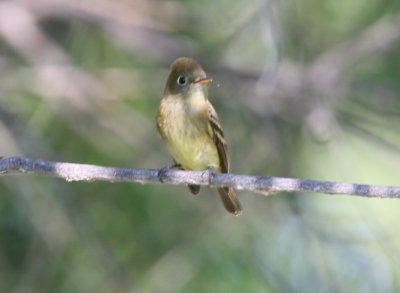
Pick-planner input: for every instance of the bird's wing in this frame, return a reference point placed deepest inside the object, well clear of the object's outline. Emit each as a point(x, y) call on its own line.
point(217, 135)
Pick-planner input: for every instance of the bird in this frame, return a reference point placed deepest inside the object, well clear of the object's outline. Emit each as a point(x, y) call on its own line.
point(190, 129)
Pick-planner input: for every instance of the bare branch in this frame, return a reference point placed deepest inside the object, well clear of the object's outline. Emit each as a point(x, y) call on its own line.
point(261, 184)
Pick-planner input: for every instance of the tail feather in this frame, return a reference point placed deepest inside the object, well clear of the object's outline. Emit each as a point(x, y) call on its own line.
point(230, 201)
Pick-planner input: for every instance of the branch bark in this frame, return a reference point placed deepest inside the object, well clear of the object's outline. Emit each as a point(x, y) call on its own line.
point(261, 184)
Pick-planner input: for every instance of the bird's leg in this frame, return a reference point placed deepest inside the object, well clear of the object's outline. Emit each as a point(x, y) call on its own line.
point(163, 171)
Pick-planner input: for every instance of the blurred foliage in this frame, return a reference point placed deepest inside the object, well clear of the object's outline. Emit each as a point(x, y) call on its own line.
point(303, 89)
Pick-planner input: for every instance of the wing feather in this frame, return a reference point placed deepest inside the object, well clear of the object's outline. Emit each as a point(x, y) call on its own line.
point(218, 137)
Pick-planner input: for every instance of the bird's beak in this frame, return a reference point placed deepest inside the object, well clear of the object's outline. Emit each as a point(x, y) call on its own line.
point(205, 80)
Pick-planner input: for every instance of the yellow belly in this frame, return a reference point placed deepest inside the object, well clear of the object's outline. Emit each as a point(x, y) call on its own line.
point(189, 142)
point(194, 153)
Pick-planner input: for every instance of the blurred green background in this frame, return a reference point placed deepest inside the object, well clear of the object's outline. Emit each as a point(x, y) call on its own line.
point(304, 88)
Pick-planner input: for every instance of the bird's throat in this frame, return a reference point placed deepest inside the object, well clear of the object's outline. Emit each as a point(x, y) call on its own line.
point(197, 102)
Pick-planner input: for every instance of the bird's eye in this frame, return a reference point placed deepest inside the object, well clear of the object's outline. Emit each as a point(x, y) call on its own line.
point(182, 80)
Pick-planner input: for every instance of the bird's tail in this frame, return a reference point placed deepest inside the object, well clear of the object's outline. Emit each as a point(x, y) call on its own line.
point(230, 201)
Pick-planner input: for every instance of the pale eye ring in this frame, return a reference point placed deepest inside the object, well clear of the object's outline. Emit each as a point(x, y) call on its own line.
point(182, 80)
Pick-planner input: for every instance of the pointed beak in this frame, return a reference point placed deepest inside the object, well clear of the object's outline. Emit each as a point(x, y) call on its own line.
point(204, 81)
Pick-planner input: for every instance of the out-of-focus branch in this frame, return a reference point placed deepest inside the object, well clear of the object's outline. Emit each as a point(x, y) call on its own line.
point(53, 76)
point(324, 71)
point(157, 15)
point(260, 184)
point(297, 83)
point(143, 25)
point(306, 92)
point(377, 37)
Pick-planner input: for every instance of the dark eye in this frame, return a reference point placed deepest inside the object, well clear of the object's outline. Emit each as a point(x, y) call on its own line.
point(182, 80)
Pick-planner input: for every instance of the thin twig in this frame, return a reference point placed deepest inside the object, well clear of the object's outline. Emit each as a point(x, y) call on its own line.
point(261, 184)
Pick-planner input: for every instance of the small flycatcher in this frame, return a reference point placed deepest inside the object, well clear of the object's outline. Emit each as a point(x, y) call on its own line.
point(189, 126)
